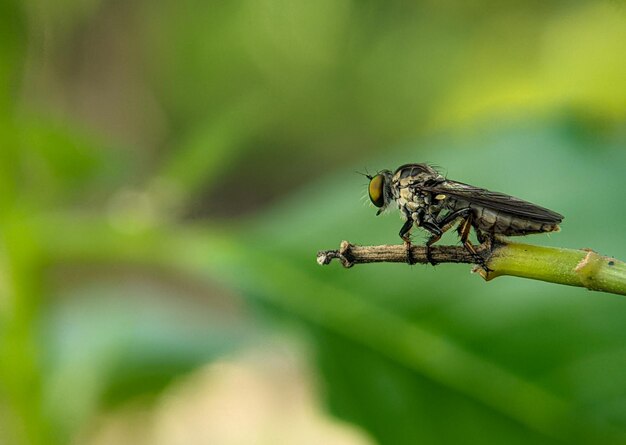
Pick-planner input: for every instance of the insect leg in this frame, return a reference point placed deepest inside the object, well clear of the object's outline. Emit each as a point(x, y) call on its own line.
point(404, 234)
point(406, 228)
point(483, 237)
point(437, 229)
point(464, 230)
point(435, 235)
point(449, 220)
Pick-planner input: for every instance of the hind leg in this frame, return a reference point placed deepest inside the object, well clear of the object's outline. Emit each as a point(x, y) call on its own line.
point(464, 231)
point(484, 238)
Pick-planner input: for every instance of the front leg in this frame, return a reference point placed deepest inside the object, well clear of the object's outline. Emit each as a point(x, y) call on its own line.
point(430, 225)
point(404, 234)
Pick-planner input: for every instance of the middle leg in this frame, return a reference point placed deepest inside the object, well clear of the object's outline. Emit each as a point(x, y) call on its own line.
point(437, 229)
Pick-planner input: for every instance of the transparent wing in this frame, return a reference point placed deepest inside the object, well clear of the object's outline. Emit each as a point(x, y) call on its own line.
point(493, 200)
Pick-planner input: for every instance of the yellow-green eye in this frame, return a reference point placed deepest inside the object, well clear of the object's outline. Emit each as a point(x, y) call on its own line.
point(376, 187)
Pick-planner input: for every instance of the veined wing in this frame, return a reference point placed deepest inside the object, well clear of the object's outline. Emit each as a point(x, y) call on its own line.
point(494, 200)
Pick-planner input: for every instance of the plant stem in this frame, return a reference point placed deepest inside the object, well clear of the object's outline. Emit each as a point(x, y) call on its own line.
point(582, 268)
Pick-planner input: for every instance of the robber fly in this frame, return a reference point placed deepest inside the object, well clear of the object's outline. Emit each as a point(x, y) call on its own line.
point(428, 200)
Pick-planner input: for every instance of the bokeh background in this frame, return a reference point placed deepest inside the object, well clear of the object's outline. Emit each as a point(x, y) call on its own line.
point(169, 169)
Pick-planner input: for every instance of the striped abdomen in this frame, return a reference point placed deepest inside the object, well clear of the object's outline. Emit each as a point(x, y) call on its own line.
point(500, 222)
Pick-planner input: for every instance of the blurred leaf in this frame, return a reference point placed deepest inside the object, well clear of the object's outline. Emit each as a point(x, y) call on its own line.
point(213, 146)
point(61, 163)
point(12, 43)
point(9, 165)
point(400, 406)
point(109, 343)
point(531, 62)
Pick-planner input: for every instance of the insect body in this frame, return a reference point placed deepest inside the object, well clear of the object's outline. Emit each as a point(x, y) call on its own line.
point(428, 200)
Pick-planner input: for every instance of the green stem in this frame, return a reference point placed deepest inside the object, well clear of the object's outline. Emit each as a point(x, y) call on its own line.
point(582, 268)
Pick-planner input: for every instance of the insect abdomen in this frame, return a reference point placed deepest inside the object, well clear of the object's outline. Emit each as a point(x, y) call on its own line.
point(498, 222)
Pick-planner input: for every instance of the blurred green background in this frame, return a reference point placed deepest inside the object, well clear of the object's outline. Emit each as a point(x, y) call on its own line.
point(168, 171)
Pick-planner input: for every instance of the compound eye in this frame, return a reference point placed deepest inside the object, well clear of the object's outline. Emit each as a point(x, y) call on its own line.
point(377, 184)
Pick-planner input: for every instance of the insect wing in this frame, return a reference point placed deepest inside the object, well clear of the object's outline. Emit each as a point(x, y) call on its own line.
point(493, 200)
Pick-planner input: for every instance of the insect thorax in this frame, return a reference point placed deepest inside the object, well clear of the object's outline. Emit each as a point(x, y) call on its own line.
point(405, 183)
